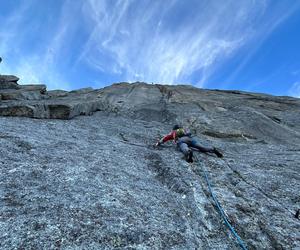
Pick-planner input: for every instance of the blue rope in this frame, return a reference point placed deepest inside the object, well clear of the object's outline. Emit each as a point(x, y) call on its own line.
point(221, 211)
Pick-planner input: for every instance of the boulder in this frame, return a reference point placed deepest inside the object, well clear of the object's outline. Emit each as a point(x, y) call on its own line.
point(8, 82)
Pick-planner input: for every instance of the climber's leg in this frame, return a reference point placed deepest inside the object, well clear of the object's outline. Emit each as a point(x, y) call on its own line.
point(197, 145)
point(188, 153)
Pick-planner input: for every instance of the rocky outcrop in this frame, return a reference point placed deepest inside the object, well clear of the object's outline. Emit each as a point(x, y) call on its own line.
point(35, 102)
point(8, 82)
point(11, 91)
point(97, 182)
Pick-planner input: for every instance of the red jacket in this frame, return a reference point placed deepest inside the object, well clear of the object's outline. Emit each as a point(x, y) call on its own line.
point(173, 136)
point(168, 137)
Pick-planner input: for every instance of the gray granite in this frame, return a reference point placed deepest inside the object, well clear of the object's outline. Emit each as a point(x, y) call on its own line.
point(97, 182)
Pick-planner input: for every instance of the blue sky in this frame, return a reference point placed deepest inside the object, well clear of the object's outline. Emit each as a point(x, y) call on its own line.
point(68, 44)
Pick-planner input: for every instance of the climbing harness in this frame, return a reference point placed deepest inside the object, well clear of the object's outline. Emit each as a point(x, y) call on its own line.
point(221, 210)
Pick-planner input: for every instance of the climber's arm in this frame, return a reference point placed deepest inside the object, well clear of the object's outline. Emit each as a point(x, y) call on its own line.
point(166, 138)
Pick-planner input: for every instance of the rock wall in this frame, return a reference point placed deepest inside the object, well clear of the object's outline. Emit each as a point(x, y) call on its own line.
point(97, 182)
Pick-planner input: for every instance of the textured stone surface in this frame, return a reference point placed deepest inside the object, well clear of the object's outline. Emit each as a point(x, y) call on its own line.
point(8, 82)
point(97, 182)
point(21, 94)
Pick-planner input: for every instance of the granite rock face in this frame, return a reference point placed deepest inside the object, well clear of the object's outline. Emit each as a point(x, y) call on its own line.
point(8, 82)
point(97, 182)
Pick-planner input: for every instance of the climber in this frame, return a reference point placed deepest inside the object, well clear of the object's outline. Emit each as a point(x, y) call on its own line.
point(183, 138)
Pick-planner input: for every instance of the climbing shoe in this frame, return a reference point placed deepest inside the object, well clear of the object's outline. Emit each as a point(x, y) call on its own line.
point(218, 153)
point(189, 156)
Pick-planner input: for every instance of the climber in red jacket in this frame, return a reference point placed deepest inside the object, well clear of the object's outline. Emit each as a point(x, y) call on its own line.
point(184, 140)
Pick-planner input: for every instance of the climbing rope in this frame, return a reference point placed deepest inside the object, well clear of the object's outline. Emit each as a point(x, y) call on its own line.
point(260, 190)
point(221, 210)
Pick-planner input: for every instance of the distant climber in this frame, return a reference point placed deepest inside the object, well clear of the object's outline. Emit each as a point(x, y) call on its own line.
point(184, 140)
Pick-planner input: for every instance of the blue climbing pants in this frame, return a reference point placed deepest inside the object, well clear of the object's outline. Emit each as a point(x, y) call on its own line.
point(184, 143)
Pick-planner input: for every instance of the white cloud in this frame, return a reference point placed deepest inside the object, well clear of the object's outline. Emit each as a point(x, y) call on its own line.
point(265, 29)
point(40, 66)
point(295, 90)
point(9, 30)
point(149, 42)
point(153, 41)
point(30, 71)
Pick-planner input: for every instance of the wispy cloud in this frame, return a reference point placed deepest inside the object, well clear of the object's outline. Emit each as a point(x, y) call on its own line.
point(28, 72)
point(42, 64)
point(267, 26)
point(295, 90)
point(154, 41)
point(160, 43)
point(9, 31)
point(9, 35)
